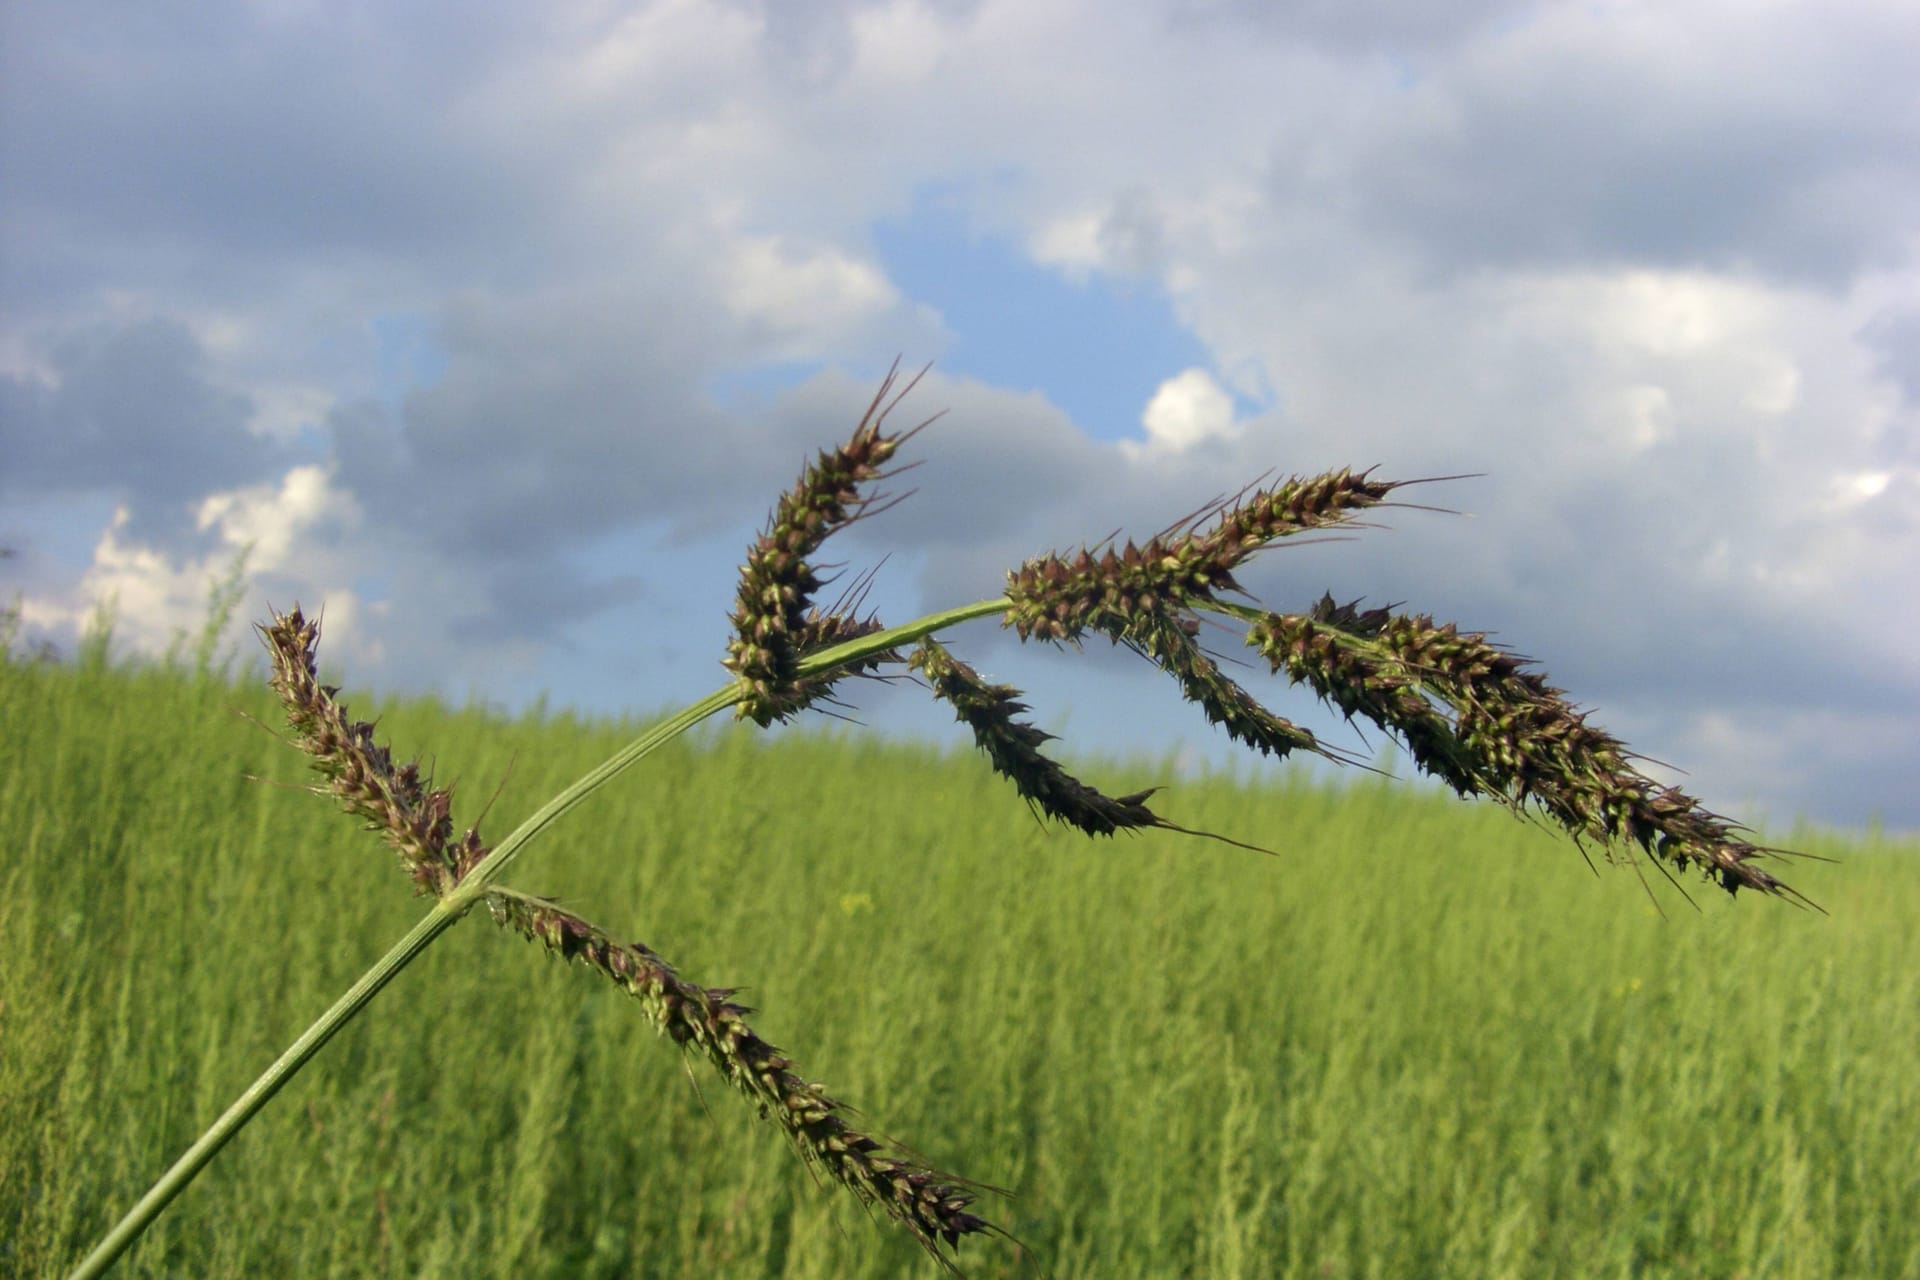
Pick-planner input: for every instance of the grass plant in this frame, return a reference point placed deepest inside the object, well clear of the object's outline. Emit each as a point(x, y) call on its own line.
point(1184, 1059)
point(1467, 712)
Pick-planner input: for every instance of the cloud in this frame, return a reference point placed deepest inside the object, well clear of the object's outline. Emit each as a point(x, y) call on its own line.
point(1893, 337)
point(281, 531)
point(281, 134)
point(797, 299)
point(1649, 267)
point(129, 408)
point(1188, 409)
point(1669, 136)
point(581, 414)
point(1402, 29)
point(997, 470)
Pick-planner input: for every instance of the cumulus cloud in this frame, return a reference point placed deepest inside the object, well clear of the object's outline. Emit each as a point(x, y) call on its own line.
point(155, 594)
point(1647, 266)
point(1188, 409)
point(1659, 135)
point(128, 407)
point(799, 299)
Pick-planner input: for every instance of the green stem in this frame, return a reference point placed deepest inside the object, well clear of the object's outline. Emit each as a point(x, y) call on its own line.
point(446, 912)
point(488, 869)
point(117, 1241)
point(893, 637)
point(437, 921)
point(474, 884)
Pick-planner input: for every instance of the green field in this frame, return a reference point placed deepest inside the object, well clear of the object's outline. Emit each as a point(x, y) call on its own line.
point(1425, 1040)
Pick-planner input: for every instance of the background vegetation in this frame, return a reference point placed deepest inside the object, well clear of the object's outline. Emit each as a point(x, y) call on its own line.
point(1425, 1040)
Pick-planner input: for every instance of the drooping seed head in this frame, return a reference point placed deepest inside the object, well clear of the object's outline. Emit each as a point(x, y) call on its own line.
point(1171, 644)
point(1479, 717)
point(932, 1206)
point(1013, 746)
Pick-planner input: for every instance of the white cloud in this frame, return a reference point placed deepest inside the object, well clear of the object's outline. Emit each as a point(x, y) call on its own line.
point(1645, 415)
point(1861, 486)
point(273, 520)
point(1072, 242)
point(805, 300)
point(157, 595)
point(1651, 266)
point(1188, 409)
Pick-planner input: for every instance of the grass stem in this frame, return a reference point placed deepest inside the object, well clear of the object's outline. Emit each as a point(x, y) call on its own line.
point(449, 909)
point(1469, 712)
point(261, 1091)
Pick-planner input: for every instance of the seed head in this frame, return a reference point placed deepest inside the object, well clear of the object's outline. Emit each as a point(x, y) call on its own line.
point(1171, 644)
point(932, 1206)
point(1059, 598)
point(1479, 717)
point(1013, 745)
point(773, 627)
point(413, 816)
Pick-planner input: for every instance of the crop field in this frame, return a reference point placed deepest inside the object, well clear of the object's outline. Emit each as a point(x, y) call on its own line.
point(1423, 1040)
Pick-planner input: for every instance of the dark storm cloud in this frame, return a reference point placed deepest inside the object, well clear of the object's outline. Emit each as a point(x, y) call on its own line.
point(131, 412)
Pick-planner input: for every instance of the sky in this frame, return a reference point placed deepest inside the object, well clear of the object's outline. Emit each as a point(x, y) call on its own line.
point(494, 331)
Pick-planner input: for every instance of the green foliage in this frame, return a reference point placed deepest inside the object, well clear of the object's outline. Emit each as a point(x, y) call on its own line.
point(95, 648)
point(1181, 1057)
point(224, 595)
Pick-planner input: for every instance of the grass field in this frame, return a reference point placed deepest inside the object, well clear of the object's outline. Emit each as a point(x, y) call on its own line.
point(1423, 1041)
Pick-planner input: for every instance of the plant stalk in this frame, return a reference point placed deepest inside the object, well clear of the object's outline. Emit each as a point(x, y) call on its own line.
point(893, 637)
point(474, 885)
point(448, 911)
point(175, 1180)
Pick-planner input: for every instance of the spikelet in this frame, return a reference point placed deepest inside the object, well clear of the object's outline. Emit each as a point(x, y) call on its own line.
point(1170, 643)
point(414, 817)
point(772, 623)
point(1013, 745)
point(929, 1204)
point(1482, 719)
point(1056, 598)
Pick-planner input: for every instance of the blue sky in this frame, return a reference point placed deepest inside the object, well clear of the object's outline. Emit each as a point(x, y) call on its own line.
point(1098, 347)
point(496, 330)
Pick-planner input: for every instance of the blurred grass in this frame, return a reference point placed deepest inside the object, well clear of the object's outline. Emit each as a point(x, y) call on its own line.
point(1424, 1040)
